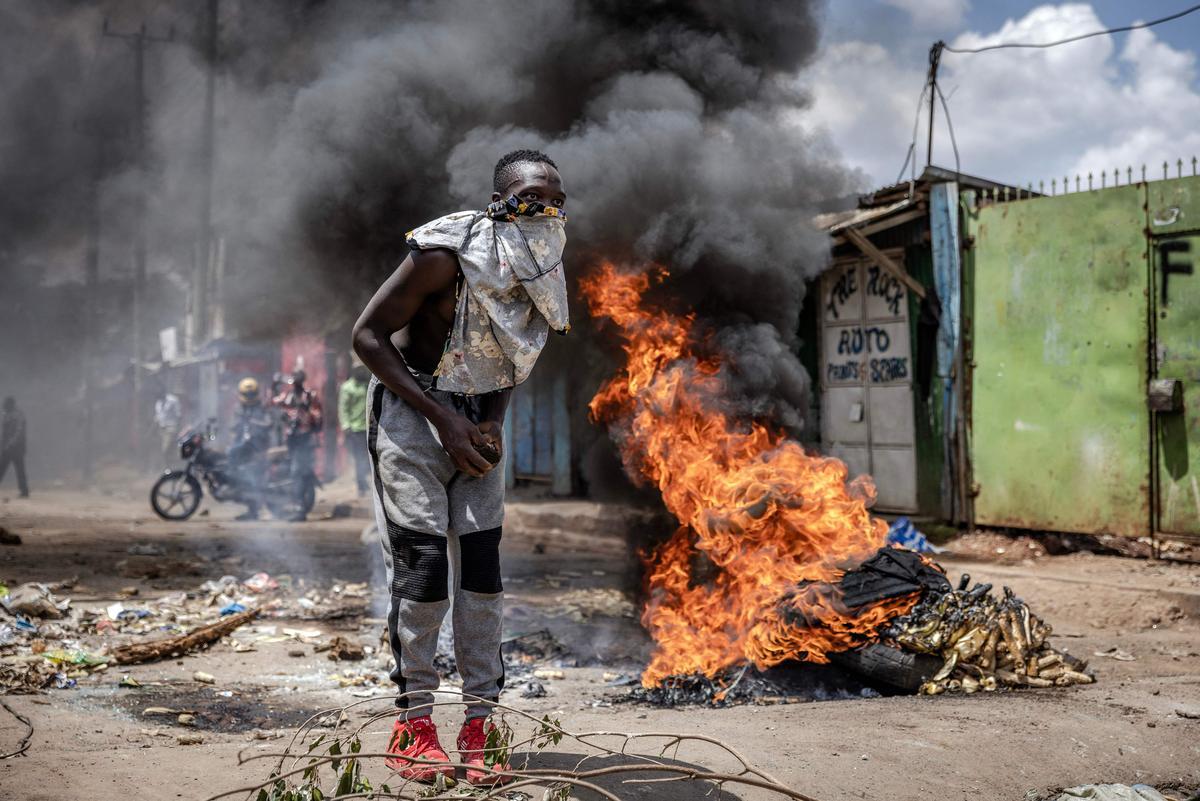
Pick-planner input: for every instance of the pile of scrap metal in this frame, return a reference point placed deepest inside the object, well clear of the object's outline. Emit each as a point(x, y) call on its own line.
point(984, 642)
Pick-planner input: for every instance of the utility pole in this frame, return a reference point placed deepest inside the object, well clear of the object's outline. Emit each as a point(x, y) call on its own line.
point(935, 57)
point(138, 41)
point(92, 284)
point(201, 282)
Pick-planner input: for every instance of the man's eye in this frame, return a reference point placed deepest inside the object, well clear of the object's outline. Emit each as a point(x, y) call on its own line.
point(558, 202)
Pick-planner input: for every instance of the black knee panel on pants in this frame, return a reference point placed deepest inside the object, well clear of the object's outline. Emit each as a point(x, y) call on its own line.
point(481, 561)
point(419, 565)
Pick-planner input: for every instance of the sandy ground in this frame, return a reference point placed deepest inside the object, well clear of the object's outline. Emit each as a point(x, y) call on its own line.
point(1138, 723)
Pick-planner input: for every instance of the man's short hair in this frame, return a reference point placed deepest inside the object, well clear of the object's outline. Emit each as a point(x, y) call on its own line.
point(508, 169)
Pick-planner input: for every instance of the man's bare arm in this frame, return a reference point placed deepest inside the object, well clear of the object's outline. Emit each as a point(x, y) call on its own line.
point(421, 275)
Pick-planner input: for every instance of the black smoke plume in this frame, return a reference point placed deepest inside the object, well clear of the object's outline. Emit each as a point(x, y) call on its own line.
point(678, 127)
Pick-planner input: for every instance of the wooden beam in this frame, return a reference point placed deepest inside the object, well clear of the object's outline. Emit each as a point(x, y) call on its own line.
point(883, 225)
point(887, 265)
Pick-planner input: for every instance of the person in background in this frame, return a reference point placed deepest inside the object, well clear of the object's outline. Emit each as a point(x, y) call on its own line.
point(251, 437)
point(168, 413)
point(12, 444)
point(302, 422)
point(352, 417)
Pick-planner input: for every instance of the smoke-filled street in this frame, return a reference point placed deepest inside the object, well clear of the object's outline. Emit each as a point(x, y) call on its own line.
point(737, 399)
point(99, 738)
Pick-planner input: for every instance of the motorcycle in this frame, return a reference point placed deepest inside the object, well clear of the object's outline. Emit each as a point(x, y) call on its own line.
point(176, 494)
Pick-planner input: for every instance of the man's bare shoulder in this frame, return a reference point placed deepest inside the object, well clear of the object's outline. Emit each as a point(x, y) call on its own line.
point(434, 269)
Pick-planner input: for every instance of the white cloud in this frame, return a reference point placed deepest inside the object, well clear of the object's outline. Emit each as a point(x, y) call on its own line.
point(1018, 115)
point(933, 13)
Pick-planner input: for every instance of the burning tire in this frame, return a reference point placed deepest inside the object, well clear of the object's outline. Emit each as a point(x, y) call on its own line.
point(883, 664)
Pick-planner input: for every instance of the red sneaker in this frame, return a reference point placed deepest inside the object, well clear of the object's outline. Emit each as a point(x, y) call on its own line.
point(418, 738)
point(472, 742)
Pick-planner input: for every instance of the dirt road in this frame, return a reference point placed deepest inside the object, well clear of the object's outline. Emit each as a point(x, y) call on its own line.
point(568, 571)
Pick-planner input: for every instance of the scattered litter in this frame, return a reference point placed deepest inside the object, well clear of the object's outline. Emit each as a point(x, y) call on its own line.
point(533, 689)
point(145, 549)
point(118, 611)
point(186, 719)
point(204, 678)
point(903, 534)
point(548, 673)
point(232, 609)
point(259, 734)
point(260, 582)
point(582, 605)
point(1112, 792)
point(75, 657)
point(297, 653)
point(128, 681)
point(1116, 653)
point(35, 600)
point(29, 676)
point(189, 739)
point(9, 538)
point(159, 711)
point(340, 649)
point(1187, 714)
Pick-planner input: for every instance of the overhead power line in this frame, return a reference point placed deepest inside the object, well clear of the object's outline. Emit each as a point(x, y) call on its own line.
point(931, 85)
point(1133, 27)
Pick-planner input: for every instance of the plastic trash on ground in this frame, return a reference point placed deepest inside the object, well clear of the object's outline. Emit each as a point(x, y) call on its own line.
point(903, 534)
point(260, 582)
point(1112, 792)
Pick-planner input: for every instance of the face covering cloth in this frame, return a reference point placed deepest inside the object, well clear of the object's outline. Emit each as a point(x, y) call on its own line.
point(513, 292)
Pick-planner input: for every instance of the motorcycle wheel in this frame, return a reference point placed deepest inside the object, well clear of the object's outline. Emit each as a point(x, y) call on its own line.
point(175, 496)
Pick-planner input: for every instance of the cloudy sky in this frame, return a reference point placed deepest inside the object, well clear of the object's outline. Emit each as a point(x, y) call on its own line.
point(1018, 115)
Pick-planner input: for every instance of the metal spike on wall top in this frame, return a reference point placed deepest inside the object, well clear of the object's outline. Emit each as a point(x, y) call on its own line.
point(1089, 182)
point(1164, 170)
point(1076, 182)
point(1053, 186)
point(1143, 173)
point(1179, 168)
point(1129, 175)
point(1193, 166)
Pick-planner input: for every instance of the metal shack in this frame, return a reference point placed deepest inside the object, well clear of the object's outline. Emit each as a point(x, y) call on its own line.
point(1011, 358)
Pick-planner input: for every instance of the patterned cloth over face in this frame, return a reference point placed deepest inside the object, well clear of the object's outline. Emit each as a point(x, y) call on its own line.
point(514, 291)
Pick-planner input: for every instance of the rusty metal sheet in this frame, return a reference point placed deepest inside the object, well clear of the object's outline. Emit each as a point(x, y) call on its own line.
point(1060, 429)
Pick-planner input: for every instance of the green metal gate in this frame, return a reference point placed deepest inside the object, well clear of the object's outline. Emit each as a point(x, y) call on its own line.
point(1060, 337)
point(1173, 211)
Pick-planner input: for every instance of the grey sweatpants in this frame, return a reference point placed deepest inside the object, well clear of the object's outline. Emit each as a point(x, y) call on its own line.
point(433, 518)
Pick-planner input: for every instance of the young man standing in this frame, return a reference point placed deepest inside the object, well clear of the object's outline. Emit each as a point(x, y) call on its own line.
point(477, 297)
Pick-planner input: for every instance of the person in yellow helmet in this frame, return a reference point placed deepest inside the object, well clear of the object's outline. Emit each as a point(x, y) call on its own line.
point(251, 437)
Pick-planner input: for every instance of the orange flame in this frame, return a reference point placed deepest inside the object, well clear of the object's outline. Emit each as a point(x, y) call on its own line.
point(764, 512)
